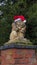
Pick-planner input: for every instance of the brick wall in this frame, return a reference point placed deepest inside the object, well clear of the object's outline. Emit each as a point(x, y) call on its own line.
point(18, 57)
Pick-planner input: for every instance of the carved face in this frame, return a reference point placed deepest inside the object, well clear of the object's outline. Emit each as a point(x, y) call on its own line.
point(21, 26)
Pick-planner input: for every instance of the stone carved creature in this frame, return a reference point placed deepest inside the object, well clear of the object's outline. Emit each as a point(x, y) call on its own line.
point(18, 32)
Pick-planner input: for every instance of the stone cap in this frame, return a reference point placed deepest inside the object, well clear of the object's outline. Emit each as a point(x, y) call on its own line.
point(18, 46)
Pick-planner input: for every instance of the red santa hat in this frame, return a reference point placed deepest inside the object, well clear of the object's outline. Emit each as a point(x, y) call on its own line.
point(19, 17)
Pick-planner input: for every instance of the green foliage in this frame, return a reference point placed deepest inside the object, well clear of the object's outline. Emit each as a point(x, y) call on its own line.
point(28, 8)
point(4, 31)
point(32, 23)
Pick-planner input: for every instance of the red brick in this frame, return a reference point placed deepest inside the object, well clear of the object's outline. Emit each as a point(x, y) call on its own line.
point(18, 57)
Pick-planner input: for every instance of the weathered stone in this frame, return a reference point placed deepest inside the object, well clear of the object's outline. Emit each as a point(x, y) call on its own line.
point(17, 34)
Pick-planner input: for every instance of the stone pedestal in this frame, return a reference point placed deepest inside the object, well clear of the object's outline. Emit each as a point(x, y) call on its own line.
point(18, 55)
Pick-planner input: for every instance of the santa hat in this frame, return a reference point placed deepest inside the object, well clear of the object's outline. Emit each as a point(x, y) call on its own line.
point(20, 17)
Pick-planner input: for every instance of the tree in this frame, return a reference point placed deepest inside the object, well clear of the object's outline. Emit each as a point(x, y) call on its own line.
point(32, 23)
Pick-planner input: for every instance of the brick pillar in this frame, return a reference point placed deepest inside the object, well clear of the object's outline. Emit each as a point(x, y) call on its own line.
point(18, 57)
point(0, 57)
